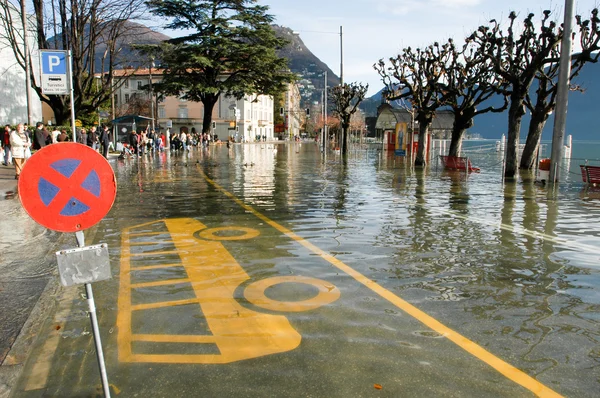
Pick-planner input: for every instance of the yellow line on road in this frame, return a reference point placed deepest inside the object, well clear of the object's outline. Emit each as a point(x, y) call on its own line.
point(471, 347)
point(153, 267)
point(173, 338)
point(160, 283)
point(163, 304)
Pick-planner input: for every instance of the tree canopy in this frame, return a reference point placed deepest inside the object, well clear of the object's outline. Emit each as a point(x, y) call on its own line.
point(230, 50)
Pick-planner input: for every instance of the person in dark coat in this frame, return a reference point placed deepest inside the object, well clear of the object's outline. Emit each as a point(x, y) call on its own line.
point(39, 136)
point(92, 138)
point(134, 141)
point(104, 140)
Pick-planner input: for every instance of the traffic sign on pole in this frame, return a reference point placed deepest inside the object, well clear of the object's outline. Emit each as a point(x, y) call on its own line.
point(55, 79)
point(67, 187)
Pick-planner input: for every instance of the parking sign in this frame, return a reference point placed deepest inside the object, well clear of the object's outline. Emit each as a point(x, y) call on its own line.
point(55, 79)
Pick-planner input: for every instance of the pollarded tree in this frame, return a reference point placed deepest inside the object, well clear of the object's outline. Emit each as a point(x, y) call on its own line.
point(417, 75)
point(471, 82)
point(345, 100)
point(231, 50)
point(545, 96)
point(517, 58)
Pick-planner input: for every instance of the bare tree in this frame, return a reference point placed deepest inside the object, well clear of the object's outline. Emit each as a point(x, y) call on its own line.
point(345, 100)
point(416, 75)
point(517, 58)
point(470, 83)
point(545, 95)
point(95, 31)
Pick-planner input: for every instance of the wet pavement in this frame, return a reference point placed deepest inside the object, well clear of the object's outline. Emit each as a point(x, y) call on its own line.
point(266, 270)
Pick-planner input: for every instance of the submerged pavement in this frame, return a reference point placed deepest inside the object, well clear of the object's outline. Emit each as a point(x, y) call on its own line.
point(256, 271)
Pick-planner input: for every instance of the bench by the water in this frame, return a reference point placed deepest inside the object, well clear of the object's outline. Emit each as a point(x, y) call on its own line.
point(458, 163)
point(590, 174)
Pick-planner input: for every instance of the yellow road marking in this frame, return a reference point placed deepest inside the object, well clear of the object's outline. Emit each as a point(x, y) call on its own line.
point(214, 275)
point(474, 349)
point(153, 267)
point(255, 293)
point(163, 304)
point(160, 283)
point(161, 253)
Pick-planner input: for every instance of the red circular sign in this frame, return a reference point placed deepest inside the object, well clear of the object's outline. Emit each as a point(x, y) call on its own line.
point(67, 187)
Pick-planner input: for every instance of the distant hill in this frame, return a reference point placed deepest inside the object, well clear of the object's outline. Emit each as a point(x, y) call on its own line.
point(132, 33)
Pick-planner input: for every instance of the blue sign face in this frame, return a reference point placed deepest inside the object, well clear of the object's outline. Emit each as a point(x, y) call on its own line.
point(54, 62)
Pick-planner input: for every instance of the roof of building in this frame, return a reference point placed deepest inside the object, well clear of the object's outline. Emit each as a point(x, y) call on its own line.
point(389, 116)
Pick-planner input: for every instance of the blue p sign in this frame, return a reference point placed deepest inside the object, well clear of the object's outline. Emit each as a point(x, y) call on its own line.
point(54, 63)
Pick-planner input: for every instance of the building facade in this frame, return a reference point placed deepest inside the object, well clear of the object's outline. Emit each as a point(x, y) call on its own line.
point(243, 120)
point(13, 98)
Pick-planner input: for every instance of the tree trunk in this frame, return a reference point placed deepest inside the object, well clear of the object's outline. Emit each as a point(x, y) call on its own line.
point(424, 120)
point(460, 126)
point(515, 115)
point(345, 126)
point(421, 159)
point(209, 101)
point(538, 121)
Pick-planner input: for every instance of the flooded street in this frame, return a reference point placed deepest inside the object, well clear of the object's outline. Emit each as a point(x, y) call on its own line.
point(267, 270)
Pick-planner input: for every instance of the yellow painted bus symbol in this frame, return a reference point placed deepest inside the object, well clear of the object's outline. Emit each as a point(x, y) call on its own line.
point(180, 264)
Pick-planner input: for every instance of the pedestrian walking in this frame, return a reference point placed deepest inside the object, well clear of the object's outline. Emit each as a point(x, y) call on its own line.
point(92, 138)
point(82, 136)
point(62, 137)
point(5, 143)
point(20, 148)
point(104, 140)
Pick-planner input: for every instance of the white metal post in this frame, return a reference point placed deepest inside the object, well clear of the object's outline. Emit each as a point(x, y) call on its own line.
point(96, 331)
point(71, 94)
point(562, 97)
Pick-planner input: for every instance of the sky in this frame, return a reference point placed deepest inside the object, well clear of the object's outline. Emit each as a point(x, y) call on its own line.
point(375, 29)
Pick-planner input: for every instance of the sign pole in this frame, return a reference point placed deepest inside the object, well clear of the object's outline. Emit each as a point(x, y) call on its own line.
point(70, 81)
point(96, 331)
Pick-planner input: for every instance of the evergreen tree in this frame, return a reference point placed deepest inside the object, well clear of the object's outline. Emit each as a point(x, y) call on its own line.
point(231, 50)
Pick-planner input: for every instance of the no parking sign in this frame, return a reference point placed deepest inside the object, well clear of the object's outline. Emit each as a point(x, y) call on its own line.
point(67, 187)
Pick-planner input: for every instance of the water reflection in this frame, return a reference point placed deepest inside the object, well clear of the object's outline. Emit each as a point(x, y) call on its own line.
point(511, 265)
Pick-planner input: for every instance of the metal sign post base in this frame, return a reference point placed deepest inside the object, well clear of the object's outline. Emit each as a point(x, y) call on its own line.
point(92, 308)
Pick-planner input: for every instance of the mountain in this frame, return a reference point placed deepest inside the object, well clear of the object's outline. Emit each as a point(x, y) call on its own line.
point(307, 65)
point(581, 112)
point(131, 33)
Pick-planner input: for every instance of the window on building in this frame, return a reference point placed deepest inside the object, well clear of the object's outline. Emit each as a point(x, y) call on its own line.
point(139, 84)
point(126, 84)
point(182, 113)
point(162, 113)
point(126, 98)
point(116, 100)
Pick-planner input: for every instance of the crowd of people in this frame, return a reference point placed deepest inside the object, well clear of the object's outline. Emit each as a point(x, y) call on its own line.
point(147, 141)
point(16, 144)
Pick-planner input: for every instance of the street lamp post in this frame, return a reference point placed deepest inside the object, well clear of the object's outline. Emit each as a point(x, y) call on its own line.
point(562, 96)
point(151, 92)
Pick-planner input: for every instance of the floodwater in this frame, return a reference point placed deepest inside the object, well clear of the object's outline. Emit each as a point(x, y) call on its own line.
point(512, 266)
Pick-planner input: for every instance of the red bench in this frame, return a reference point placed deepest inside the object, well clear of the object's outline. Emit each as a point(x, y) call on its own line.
point(458, 163)
point(590, 174)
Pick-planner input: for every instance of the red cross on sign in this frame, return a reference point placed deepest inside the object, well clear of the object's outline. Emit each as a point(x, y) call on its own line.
point(67, 187)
